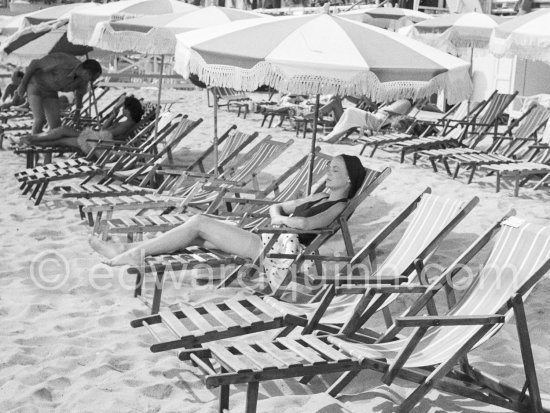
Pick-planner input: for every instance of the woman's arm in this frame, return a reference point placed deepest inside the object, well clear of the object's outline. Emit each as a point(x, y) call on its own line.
point(279, 213)
point(320, 220)
point(120, 130)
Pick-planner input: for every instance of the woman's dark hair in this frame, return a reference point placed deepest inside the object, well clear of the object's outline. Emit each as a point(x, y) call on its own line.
point(134, 107)
point(356, 173)
point(19, 74)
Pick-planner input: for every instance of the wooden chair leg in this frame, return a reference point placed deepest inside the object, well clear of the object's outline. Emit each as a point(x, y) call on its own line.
point(252, 397)
point(157, 293)
point(472, 173)
point(527, 354)
point(342, 382)
point(498, 182)
point(374, 148)
point(516, 185)
point(271, 120)
point(41, 193)
point(224, 396)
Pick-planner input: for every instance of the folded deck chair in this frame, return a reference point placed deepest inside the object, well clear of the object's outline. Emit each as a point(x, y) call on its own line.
point(466, 133)
point(230, 144)
point(432, 219)
point(247, 212)
point(505, 149)
point(194, 257)
point(434, 355)
point(143, 159)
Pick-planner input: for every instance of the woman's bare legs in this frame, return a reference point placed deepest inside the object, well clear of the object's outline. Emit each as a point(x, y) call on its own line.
point(53, 136)
point(198, 230)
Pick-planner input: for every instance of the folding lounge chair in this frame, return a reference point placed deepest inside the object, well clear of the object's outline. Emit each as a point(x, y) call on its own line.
point(516, 263)
point(228, 97)
point(193, 257)
point(249, 213)
point(537, 165)
point(199, 194)
point(32, 152)
point(230, 144)
point(432, 218)
point(505, 149)
point(39, 178)
point(468, 133)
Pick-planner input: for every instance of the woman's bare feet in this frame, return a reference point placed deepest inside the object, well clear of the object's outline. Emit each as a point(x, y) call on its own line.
point(108, 249)
point(131, 257)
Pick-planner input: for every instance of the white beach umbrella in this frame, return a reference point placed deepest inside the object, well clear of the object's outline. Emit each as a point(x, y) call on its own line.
point(61, 12)
point(82, 23)
point(526, 36)
point(391, 18)
point(320, 54)
point(157, 34)
point(12, 24)
point(450, 31)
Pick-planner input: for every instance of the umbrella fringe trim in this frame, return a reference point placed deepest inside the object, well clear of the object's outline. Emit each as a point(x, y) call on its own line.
point(456, 88)
point(82, 26)
point(155, 41)
point(523, 48)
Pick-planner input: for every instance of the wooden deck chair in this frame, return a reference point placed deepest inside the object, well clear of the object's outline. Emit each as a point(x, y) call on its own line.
point(227, 96)
point(470, 132)
point(505, 149)
point(245, 173)
point(128, 158)
point(516, 263)
point(458, 112)
point(103, 151)
point(32, 152)
point(535, 166)
point(432, 219)
point(248, 213)
point(199, 257)
point(230, 144)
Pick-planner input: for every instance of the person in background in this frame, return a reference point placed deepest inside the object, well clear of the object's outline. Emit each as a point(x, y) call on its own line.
point(45, 77)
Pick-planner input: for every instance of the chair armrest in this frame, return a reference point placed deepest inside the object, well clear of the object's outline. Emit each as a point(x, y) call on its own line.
point(235, 200)
point(288, 230)
point(430, 321)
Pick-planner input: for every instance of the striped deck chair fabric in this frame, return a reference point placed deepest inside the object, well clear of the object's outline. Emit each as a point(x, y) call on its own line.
point(158, 265)
point(249, 212)
point(226, 96)
point(432, 219)
point(258, 158)
point(538, 164)
point(464, 133)
point(518, 260)
point(504, 149)
point(458, 112)
point(170, 174)
point(127, 158)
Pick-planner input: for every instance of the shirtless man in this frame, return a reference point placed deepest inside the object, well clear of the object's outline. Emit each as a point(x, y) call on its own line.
point(56, 72)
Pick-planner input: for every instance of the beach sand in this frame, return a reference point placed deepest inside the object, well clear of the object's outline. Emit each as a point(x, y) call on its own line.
point(66, 340)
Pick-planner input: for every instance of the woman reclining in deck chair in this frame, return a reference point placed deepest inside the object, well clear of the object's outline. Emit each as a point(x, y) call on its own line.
point(344, 178)
point(84, 140)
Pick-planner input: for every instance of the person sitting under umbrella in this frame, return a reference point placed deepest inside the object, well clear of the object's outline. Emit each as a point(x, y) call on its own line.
point(358, 118)
point(344, 179)
point(45, 77)
point(83, 140)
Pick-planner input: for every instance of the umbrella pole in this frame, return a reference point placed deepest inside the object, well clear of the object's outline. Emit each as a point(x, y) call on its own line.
point(157, 109)
point(92, 97)
point(215, 132)
point(313, 142)
point(471, 73)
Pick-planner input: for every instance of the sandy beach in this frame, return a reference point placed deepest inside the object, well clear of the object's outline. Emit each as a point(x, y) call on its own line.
point(67, 344)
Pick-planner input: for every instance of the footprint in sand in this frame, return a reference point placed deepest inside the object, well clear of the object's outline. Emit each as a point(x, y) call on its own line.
point(158, 391)
point(119, 364)
point(47, 233)
point(43, 394)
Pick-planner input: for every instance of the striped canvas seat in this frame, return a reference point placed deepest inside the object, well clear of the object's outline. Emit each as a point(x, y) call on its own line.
point(519, 258)
point(230, 143)
point(138, 159)
point(248, 215)
point(258, 158)
point(502, 149)
point(467, 133)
